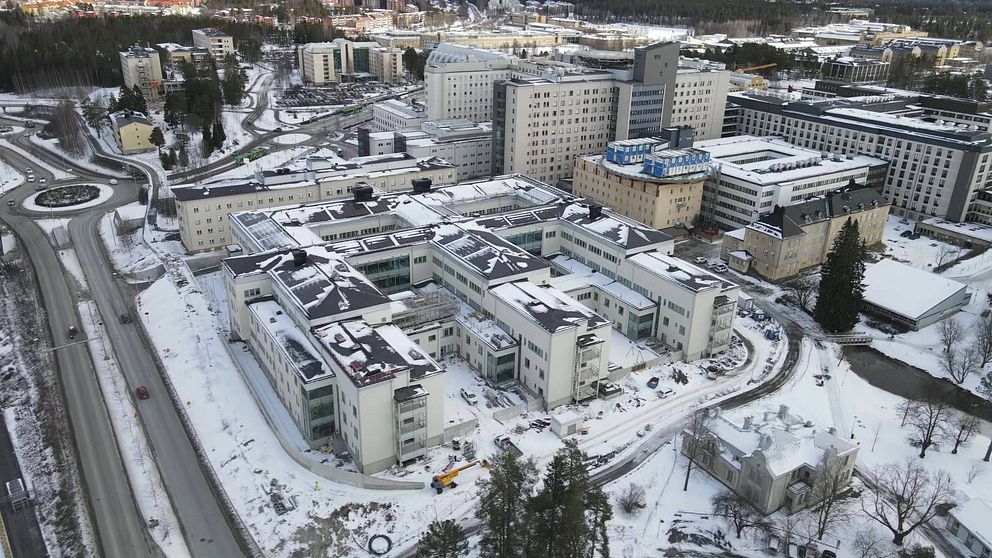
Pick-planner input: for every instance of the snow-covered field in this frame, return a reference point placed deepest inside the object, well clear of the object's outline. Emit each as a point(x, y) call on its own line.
point(9, 178)
point(128, 251)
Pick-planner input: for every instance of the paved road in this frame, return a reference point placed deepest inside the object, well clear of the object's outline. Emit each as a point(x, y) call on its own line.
point(203, 521)
point(120, 528)
point(205, 525)
point(22, 528)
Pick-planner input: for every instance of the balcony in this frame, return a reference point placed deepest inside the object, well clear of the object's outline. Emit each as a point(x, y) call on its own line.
point(407, 428)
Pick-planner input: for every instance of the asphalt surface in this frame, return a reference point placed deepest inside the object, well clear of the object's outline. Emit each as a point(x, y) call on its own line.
point(22, 528)
point(120, 528)
point(205, 525)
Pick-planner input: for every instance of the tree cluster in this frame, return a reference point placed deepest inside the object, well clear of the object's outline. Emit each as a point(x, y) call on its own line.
point(129, 99)
point(565, 517)
point(955, 85)
point(414, 62)
point(841, 293)
point(758, 54)
point(758, 17)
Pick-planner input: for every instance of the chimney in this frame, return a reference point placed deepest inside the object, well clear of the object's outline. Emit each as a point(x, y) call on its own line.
point(299, 258)
point(421, 185)
point(765, 442)
point(595, 211)
point(747, 423)
point(783, 412)
point(362, 192)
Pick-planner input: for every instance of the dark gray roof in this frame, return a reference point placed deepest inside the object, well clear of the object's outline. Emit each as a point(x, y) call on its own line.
point(489, 255)
point(187, 193)
point(790, 219)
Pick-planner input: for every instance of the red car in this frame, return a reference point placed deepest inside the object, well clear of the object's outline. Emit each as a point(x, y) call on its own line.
point(142, 392)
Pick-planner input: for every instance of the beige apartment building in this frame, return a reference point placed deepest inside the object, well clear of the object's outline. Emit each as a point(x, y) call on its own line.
point(142, 67)
point(700, 97)
point(133, 131)
point(671, 199)
point(387, 64)
point(219, 43)
point(797, 237)
point(203, 211)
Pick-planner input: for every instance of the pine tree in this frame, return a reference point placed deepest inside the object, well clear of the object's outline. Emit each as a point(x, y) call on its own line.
point(207, 143)
point(443, 539)
point(502, 499)
point(841, 294)
point(157, 138)
point(172, 156)
point(183, 155)
point(218, 136)
point(139, 104)
point(600, 513)
point(559, 526)
point(166, 162)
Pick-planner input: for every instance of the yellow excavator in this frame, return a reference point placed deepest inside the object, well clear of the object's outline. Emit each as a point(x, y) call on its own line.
point(447, 478)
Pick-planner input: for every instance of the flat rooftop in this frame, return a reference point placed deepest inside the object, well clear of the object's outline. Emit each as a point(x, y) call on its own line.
point(551, 308)
point(681, 272)
point(368, 355)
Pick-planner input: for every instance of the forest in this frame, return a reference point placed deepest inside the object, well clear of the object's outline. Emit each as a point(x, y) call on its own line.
point(70, 52)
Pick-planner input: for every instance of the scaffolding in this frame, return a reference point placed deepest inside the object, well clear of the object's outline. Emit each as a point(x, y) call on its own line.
point(424, 308)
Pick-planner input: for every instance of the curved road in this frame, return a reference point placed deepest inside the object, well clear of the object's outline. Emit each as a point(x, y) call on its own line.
point(204, 523)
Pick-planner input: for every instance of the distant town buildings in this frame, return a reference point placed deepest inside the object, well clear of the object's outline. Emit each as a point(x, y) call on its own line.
point(344, 60)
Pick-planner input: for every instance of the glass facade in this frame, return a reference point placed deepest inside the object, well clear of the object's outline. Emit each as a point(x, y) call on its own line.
point(321, 404)
point(530, 241)
point(392, 276)
point(639, 327)
point(500, 369)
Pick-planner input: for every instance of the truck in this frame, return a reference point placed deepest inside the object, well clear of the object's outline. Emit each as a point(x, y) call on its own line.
point(504, 443)
point(447, 478)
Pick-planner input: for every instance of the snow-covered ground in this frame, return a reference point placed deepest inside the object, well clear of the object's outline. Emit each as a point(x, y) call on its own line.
point(9, 178)
point(292, 139)
point(128, 252)
point(84, 161)
point(138, 460)
point(283, 158)
point(924, 253)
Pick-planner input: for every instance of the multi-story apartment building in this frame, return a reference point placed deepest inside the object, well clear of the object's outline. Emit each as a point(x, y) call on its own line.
point(794, 238)
point(937, 166)
point(342, 60)
point(852, 70)
point(653, 180)
point(752, 175)
point(387, 64)
point(142, 67)
point(132, 130)
point(772, 462)
point(203, 210)
point(466, 145)
point(177, 53)
point(394, 114)
point(459, 81)
point(219, 43)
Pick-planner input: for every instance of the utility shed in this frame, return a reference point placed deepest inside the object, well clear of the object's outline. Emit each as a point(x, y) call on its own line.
point(911, 297)
point(566, 423)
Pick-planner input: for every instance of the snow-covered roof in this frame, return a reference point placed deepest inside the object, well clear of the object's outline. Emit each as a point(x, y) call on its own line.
point(976, 516)
point(291, 340)
point(487, 254)
point(906, 290)
point(581, 276)
point(967, 229)
point(369, 355)
point(680, 272)
point(551, 308)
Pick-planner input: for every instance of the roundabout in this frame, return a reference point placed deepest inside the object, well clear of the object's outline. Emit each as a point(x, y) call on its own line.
point(68, 198)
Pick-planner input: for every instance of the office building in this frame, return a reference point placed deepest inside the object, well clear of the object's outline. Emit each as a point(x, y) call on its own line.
point(394, 114)
point(387, 65)
point(343, 60)
point(466, 145)
point(700, 100)
point(651, 180)
point(937, 165)
point(459, 81)
point(142, 67)
point(852, 70)
point(203, 210)
point(219, 43)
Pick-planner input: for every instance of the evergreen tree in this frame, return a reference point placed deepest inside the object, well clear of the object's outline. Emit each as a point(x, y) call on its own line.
point(183, 155)
point(443, 539)
point(157, 138)
point(233, 86)
point(93, 113)
point(139, 104)
point(566, 518)
point(175, 108)
point(172, 156)
point(841, 294)
point(218, 136)
point(166, 162)
point(207, 143)
point(503, 497)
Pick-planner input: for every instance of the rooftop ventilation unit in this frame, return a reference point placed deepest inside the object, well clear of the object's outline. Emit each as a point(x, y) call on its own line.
point(299, 258)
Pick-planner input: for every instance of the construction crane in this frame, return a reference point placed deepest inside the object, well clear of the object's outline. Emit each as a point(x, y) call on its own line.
point(753, 68)
point(447, 478)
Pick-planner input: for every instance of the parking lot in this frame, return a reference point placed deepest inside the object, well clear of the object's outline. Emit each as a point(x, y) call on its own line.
point(334, 95)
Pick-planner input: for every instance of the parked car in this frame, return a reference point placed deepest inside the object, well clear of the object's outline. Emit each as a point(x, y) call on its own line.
point(720, 268)
point(142, 392)
point(653, 382)
point(43, 181)
point(828, 554)
point(914, 236)
point(113, 182)
point(469, 397)
point(125, 318)
point(11, 203)
point(667, 392)
point(73, 332)
point(699, 260)
point(906, 234)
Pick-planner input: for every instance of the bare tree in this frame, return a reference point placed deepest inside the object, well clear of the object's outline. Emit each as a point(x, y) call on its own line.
point(631, 500)
point(693, 440)
point(905, 495)
point(905, 408)
point(868, 543)
point(737, 510)
point(950, 332)
point(927, 420)
point(976, 470)
point(983, 339)
point(961, 363)
point(828, 484)
point(802, 288)
point(960, 429)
